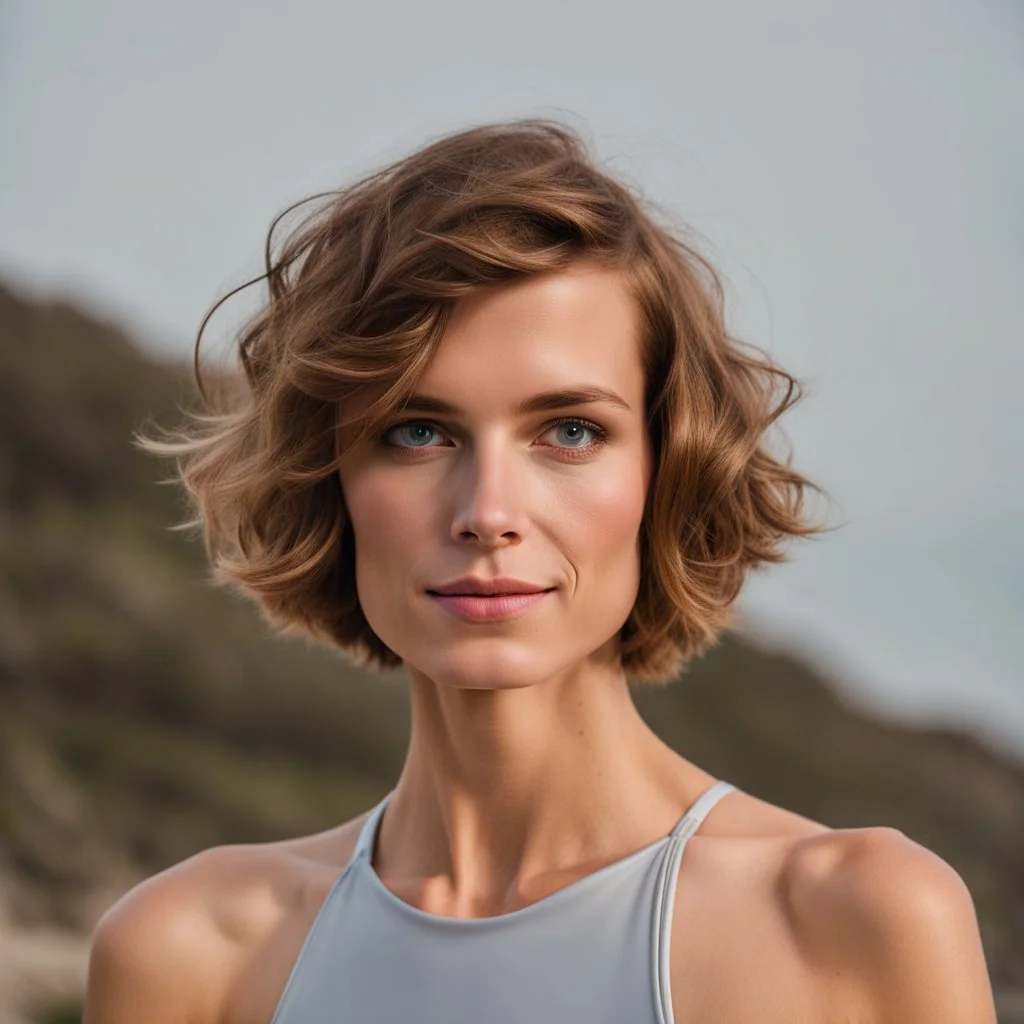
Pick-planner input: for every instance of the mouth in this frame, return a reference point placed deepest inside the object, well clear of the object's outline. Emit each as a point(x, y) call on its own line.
point(488, 608)
point(487, 597)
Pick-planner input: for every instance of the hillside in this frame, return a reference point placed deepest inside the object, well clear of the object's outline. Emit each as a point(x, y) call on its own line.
point(145, 715)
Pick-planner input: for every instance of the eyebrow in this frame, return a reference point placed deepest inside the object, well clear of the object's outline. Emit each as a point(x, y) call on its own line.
point(584, 394)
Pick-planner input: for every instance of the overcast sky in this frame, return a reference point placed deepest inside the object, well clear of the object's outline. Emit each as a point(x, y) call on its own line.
point(855, 172)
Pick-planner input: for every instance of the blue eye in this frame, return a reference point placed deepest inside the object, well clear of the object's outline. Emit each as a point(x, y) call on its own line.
point(418, 427)
point(575, 425)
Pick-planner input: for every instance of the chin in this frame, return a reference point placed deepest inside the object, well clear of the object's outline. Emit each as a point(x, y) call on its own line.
point(486, 684)
point(482, 669)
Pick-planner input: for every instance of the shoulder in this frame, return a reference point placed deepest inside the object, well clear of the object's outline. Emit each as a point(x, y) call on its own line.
point(890, 924)
point(184, 923)
point(174, 948)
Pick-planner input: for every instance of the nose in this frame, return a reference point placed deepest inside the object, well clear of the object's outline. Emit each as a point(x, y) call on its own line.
point(491, 498)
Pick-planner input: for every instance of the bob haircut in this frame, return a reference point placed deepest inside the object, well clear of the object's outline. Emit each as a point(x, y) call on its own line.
point(360, 293)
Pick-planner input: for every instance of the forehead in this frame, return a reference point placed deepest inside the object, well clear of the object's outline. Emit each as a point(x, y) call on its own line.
point(574, 326)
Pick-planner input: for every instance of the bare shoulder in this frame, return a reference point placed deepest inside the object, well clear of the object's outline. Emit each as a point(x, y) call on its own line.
point(780, 918)
point(180, 946)
point(888, 926)
point(733, 956)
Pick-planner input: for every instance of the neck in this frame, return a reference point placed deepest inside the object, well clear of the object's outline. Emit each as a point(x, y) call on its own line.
point(502, 787)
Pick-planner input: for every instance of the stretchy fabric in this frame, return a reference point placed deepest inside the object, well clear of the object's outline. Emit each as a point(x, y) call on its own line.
point(594, 951)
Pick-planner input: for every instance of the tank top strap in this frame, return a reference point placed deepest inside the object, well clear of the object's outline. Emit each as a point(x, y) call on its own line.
point(364, 843)
point(698, 811)
point(665, 891)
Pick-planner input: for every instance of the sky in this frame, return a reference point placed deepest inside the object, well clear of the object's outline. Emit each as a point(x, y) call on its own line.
point(852, 170)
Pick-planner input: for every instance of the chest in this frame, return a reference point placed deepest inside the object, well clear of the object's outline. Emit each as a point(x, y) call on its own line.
point(732, 954)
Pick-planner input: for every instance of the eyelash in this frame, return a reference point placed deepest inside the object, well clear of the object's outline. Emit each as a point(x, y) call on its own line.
point(600, 432)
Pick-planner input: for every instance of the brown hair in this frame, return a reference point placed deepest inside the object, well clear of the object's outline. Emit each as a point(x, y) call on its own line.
point(359, 296)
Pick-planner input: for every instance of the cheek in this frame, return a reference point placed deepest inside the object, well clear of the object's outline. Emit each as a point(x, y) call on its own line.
point(598, 533)
point(611, 507)
point(392, 533)
point(386, 517)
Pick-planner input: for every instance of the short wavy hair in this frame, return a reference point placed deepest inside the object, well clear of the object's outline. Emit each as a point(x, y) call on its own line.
point(359, 296)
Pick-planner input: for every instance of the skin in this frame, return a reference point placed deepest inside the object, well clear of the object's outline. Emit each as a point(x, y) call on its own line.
point(528, 765)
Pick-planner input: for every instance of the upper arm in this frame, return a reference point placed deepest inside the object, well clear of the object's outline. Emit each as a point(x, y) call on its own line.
point(154, 954)
point(902, 922)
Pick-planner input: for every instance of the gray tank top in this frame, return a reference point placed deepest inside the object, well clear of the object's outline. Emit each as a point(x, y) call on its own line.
point(596, 950)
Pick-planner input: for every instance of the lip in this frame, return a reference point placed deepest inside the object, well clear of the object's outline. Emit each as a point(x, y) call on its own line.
point(498, 608)
point(487, 587)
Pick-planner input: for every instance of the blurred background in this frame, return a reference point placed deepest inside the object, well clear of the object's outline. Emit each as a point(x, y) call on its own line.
point(853, 172)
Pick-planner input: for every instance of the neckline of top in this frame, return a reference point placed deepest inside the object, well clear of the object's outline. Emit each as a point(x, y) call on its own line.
point(683, 829)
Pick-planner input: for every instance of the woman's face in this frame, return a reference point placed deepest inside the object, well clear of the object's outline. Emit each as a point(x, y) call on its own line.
point(489, 490)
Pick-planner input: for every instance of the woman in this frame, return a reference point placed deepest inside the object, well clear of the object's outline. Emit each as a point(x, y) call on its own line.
point(493, 429)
